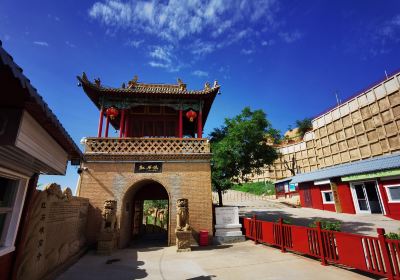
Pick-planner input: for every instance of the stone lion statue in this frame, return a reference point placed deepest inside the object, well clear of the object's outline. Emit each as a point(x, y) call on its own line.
point(109, 215)
point(182, 217)
point(54, 189)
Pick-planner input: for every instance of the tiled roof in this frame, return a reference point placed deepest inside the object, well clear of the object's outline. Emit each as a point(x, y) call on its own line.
point(135, 87)
point(385, 162)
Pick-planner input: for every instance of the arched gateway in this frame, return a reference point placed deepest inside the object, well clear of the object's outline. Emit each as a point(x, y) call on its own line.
point(159, 154)
point(132, 224)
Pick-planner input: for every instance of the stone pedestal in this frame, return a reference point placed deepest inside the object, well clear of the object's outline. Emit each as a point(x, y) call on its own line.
point(107, 242)
point(227, 227)
point(183, 240)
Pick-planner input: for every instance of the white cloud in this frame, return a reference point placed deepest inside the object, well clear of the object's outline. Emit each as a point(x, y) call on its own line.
point(69, 44)
point(267, 43)
point(175, 20)
point(135, 43)
point(382, 37)
point(290, 37)
point(247, 51)
point(163, 57)
point(163, 53)
point(158, 64)
point(197, 27)
point(53, 17)
point(200, 73)
point(389, 29)
point(202, 47)
point(41, 43)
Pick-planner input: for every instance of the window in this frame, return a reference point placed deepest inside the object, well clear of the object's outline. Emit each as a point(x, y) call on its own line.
point(327, 197)
point(12, 195)
point(7, 194)
point(393, 193)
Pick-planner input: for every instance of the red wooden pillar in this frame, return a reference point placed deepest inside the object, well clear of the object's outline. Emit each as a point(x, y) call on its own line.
point(180, 121)
point(127, 128)
point(386, 253)
point(107, 125)
point(122, 123)
point(100, 122)
point(200, 125)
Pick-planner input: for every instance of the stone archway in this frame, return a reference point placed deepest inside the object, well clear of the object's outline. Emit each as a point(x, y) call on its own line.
point(132, 207)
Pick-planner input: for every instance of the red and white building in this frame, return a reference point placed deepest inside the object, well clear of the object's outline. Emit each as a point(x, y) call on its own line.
point(370, 186)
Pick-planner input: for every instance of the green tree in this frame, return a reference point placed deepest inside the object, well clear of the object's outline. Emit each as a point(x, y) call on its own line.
point(304, 125)
point(239, 149)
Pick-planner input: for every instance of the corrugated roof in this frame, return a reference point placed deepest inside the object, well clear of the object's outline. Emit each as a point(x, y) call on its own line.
point(283, 180)
point(385, 162)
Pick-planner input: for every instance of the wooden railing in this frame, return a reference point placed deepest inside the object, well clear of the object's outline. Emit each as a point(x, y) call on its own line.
point(376, 255)
point(161, 146)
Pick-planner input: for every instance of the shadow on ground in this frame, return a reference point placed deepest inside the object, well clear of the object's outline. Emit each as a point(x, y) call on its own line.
point(202, 277)
point(273, 216)
point(210, 247)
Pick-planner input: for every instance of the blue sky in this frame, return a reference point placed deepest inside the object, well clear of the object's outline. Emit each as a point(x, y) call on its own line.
point(285, 57)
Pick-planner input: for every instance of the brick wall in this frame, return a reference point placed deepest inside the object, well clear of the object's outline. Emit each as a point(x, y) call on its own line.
point(367, 125)
point(117, 180)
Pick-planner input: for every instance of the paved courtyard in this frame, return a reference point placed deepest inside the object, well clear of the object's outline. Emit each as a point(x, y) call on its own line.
point(239, 261)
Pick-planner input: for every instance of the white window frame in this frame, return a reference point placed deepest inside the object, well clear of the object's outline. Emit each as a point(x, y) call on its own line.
point(10, 230)
point(354, 196)
point(387, 187)
point(323, 197)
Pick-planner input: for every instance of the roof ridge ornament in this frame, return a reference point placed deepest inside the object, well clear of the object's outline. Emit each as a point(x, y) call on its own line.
point(97, 82)
point(215, 84)
point(181, 84)
point(207, 86)
point(132, 83)
point(84, 77)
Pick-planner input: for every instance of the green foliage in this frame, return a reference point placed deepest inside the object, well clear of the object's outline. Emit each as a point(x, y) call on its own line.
point(239, 148)
point(159, 204)
point(327, 225)
point(393, 235)
point(285, 221)
point(304, 125)
point(274, 135)
point(258, 188)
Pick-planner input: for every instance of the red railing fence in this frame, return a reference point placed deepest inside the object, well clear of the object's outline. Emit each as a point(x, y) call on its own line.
point(376, 255)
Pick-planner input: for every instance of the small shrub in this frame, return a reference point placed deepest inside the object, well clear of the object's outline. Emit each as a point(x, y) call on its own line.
point(393, 235)
point(327, 225)
point(285, 221)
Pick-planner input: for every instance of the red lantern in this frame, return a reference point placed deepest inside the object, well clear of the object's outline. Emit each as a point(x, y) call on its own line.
point(112, 112)
point(191, 115)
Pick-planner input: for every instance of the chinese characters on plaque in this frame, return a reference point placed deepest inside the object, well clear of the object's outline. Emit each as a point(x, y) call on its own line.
point(148, 167)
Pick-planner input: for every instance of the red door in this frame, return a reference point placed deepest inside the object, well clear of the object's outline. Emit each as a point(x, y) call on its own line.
point(307, 197)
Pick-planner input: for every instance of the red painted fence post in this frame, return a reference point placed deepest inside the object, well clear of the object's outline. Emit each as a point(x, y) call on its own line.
point(321, 243)
point(255, 228)
point(385, 253)
point(283, 250)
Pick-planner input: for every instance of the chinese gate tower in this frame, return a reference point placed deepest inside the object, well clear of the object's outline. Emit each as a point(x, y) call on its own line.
point(160, 154)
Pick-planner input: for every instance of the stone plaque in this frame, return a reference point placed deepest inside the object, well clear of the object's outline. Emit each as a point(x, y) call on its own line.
point(148, 167)
point(227, 215)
